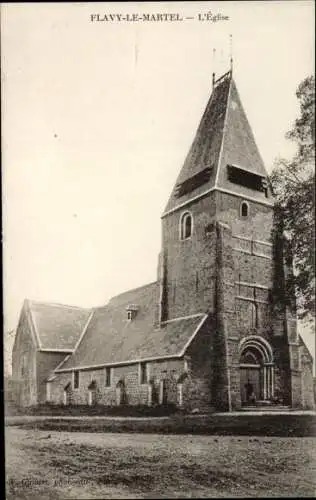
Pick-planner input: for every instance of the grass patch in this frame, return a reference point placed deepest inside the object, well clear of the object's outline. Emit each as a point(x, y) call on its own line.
point(95, 410)
point(143, 466)
point(228, 425)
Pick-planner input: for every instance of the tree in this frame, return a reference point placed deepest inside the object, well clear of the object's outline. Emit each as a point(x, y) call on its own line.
point(293, 185)
point(8, 340)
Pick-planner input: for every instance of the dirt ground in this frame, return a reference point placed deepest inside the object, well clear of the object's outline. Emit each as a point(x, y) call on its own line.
point(54, 465)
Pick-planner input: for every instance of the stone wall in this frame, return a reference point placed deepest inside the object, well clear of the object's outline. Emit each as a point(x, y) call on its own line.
point(190, 263)
point(257, 225)
point(200, 356)
point(225, 316)
point(135, 393)
point(196, 367)
point(46, 362)
point(246, 268)
point(24, 364)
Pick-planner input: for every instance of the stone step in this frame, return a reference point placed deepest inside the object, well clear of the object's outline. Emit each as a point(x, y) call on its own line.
point(276, 408)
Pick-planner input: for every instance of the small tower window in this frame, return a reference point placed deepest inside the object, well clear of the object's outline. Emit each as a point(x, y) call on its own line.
point(186, 224)
point(244, 209)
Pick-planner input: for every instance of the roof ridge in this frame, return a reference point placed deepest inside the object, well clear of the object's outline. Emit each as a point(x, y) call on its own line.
point(224, 129)
point(239, 148)
point(251, 131)
point(132, 290)
point(57, 304)
point(205, 147)
point(32, 324)
point(228, 74)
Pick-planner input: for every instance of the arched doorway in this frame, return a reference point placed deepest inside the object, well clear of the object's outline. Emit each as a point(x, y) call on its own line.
point(256, 370)
point(120, 392)
point(67, 394)
point(92, 392)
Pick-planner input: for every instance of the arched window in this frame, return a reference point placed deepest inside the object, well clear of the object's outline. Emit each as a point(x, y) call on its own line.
point(244, 209)
point(186, 224)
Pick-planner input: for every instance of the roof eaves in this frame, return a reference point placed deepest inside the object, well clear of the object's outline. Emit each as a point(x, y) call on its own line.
point(180, 318)
point(187, 202)
point(239, 167)
point(83, 331)
point(201, 323)
point(303, 344)
point(56, 304)
point(47, 349)
point(118, 363)
point(23, 311)
point(246, 197)
point(128, 292)
point(32, 323)
point(61, 363)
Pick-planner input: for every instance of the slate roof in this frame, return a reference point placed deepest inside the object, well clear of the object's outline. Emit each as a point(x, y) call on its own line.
point(305, 351)
point(239, 146)
point(111, 338)
point(57, 326)
point(224, 136)
point(205, 149)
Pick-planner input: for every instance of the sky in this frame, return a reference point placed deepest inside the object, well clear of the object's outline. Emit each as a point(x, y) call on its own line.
point(97, 118)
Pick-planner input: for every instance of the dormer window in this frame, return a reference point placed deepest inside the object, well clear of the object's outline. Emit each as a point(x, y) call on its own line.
point(244, 209)
point(132, 310)
point(186, 225)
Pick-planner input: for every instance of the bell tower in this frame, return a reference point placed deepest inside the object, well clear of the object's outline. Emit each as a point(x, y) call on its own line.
point(217, 253)
point(223, 179)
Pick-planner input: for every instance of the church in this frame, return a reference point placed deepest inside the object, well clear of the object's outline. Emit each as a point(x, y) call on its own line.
point(217, 331)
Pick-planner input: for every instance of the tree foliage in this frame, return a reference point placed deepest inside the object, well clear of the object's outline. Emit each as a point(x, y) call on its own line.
point(293, 185)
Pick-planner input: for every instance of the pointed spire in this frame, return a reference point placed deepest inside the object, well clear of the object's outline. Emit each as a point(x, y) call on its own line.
point(231, 52)
point(213, 74)
point(223, 143)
